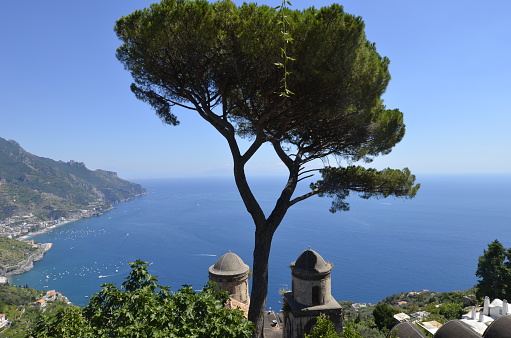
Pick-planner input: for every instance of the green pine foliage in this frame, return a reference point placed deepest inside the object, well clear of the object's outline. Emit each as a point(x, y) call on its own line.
point(494, 272)
point(307, 83)
point(384, 316)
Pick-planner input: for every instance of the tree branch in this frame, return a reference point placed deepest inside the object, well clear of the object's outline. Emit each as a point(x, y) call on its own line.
point(303, 178)
point(308, 171)
point(174, 103)
point(246, 194)
point(282, 154)
point(258, 142)
point(303, 197)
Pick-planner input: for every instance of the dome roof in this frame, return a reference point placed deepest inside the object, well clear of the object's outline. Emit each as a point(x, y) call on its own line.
point(498, 328)
point(456, 329)
point(310, 261)
point(406, 329)
point(229, 264)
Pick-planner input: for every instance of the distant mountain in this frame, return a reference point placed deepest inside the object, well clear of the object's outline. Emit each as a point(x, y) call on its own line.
point(39, 189)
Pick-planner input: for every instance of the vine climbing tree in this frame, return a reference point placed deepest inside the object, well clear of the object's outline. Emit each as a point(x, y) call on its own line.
point(285, 58)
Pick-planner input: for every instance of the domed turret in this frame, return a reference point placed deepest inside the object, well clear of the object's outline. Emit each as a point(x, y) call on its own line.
point(229, 264)
point(310, 296)
point(312, 263)
point(311, 279)
point(231, 274)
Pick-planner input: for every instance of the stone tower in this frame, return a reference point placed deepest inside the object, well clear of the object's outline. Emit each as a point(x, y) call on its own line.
point(310, 296)
point(231, 274)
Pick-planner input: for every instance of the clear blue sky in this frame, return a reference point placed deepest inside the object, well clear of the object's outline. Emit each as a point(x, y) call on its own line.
point(65, 96)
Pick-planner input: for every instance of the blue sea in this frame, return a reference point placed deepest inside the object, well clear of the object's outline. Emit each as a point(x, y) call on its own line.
point(378, 248)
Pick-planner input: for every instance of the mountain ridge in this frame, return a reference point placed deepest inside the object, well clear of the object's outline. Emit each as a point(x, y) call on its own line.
point(41, 189)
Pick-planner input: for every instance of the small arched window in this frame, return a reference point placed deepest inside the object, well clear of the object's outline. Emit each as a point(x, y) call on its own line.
point(315, 295)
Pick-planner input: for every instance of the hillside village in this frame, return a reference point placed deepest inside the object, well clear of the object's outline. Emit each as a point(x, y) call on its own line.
point(21, 306)
point(491, 320)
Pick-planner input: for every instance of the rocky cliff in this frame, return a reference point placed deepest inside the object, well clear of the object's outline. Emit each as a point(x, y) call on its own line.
point(28, 263)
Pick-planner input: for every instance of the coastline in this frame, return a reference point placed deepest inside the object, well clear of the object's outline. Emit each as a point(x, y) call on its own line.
point(26, 238)
point(28, 263)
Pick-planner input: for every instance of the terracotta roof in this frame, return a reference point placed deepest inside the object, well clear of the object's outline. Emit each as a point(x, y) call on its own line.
point(235, 304)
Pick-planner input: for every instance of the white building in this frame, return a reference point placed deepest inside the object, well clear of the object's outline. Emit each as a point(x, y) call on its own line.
point(3, 320)
point(480, 320)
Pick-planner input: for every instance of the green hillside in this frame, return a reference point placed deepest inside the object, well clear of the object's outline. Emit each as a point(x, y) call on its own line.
point(13, 252)
point(39, 189)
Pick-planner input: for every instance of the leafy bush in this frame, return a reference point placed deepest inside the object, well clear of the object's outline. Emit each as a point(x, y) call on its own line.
point(142, 308)
point(324, 328)
point(384, 316)
point(451, 310)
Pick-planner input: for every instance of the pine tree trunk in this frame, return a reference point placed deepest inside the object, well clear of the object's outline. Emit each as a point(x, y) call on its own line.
point(259, 292)
point(265, 228)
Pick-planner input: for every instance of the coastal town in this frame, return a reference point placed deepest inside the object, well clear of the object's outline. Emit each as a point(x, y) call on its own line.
point(23, 227)
point(13, 228)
